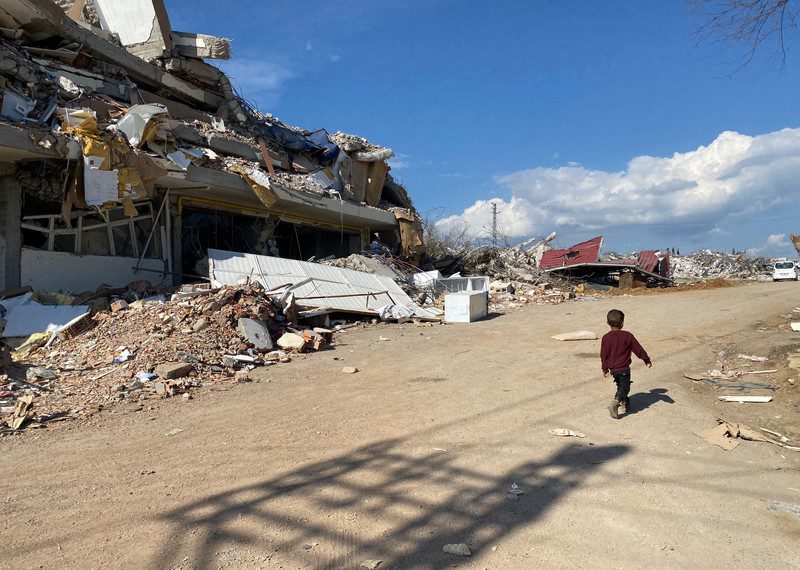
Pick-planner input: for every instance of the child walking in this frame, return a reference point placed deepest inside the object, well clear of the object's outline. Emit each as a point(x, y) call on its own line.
point(615, 357)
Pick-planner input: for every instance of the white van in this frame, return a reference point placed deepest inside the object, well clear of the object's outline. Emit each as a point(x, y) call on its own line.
point(784, 270)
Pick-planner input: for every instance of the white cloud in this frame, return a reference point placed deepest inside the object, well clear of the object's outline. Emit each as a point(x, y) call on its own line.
point(399, 161)
point(335, 57)
point(686, 193)
point(256, 77)
point(310, 45)
point(776, 240)
point(513, 218)
point(775, 244)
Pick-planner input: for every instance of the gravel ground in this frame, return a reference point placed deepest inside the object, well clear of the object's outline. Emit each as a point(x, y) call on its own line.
point(311, 468)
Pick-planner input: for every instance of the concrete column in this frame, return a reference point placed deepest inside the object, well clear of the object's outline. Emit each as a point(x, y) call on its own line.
point(177, 240)
point(10, 231)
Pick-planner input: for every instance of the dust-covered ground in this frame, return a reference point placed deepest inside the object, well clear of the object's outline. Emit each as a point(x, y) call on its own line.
point(312, 468)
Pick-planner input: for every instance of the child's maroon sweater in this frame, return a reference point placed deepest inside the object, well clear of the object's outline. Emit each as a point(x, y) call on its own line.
point(616, 349)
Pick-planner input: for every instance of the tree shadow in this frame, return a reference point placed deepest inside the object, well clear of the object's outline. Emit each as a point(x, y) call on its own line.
point(643, 400)
point(415, 505)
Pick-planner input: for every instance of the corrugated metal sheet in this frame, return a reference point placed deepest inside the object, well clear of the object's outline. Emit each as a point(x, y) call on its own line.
point(585, 252)
point(647, 260)
point(664, 267)
point(229, 268)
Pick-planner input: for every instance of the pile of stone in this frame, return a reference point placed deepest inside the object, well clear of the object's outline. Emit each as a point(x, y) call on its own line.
point(506, 297)
point(507, 264)
point(154, 349)
point(707, 264)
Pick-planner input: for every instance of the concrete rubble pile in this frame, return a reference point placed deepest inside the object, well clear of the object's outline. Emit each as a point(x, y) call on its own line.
point(514, 279)
point(119, 140)
point(154, 348)
point(504, 299)
point(504, 264)
point(707, 264)
point(518, 264)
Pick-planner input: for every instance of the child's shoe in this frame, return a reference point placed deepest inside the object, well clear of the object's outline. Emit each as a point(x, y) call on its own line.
point(613, 409)
point(626, 405)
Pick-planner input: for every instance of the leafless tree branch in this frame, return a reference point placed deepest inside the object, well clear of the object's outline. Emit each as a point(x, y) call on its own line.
point(753, 23)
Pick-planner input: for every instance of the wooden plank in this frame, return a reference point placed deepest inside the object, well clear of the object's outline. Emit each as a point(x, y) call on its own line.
point(76, 11)
point(267, 159)
point(359, 173)
point(375, 180)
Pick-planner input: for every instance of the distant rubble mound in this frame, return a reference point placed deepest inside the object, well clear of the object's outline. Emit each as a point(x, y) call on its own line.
point(707, 264)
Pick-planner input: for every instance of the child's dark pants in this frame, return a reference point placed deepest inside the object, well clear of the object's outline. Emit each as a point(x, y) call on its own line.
point(623, 381)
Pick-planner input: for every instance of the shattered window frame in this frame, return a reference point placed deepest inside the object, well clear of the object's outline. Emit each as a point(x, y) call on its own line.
point(83, 222)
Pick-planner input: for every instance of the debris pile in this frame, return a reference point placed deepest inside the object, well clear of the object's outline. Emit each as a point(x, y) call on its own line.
point(106, 124)
point(707, 264)
point(153, 349)
point(514, 264)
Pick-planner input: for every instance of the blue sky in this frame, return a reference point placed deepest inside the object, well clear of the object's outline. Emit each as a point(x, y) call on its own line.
point(550, 108)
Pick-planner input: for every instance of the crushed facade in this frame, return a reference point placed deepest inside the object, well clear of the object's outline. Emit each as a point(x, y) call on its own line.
point(124, 155)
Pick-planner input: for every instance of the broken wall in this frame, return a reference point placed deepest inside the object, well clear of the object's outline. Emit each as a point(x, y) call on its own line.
point(142, 25)
point(88, 13)
point(58, 271)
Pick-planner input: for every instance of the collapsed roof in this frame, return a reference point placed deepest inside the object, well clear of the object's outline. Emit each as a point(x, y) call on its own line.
point(582, 260)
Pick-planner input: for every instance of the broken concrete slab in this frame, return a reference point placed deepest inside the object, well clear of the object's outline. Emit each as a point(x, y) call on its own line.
point(225, 145)
point(196, 68)
point(291, 341)
point(256, 333)
point(173, 370)
point(42, 22)
point(201, 46)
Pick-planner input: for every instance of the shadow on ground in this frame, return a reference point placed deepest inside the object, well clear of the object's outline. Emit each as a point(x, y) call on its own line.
point(643, 400)
point(404, 508)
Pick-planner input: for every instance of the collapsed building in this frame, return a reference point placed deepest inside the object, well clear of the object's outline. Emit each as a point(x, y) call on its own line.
point(126, 156)
point(582, 261)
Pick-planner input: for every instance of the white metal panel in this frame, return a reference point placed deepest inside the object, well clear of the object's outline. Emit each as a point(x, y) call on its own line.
point(25, 320)
point(229, 268)
point(131, 20)
point(465, 307)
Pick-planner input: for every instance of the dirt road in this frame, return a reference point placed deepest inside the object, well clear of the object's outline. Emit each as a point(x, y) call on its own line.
point(312, 468)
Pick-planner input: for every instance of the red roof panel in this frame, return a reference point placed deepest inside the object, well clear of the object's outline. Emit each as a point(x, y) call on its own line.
point(648, 260)
point(585, 252)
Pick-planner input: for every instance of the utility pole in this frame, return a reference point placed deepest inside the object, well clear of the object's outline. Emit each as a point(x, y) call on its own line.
point(494, 224)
